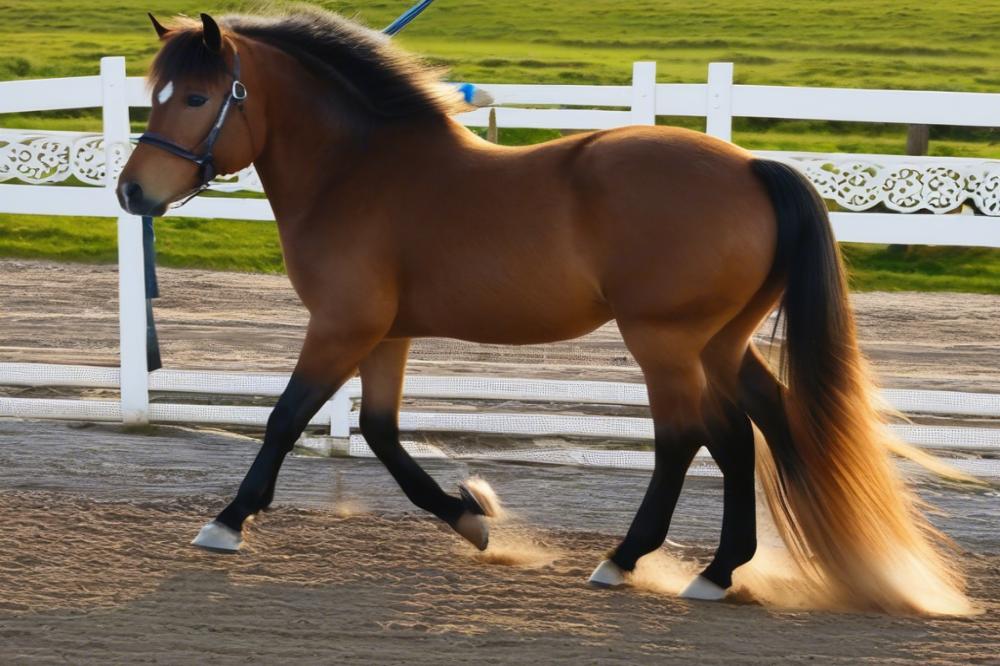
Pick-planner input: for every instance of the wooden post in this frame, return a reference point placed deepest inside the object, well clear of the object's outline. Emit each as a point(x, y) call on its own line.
point(918, 138)
point(492, 133)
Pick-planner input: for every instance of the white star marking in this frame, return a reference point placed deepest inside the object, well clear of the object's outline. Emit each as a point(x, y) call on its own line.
point(165, 93)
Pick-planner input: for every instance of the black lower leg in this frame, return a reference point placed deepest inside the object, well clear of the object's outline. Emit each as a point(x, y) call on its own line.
point(296, 406)
point(651, 523)
point(382, 434)
point(732, 446)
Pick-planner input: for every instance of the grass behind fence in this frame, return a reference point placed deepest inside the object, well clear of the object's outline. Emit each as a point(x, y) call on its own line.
point(841, 43)
point(228, 245)
point(253, 246)
point(850, 43)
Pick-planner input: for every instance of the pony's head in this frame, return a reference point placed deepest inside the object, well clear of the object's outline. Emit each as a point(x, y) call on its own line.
point(210, 96)
point(202, 121)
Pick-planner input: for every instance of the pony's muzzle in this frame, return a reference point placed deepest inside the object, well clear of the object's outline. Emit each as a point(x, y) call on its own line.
point(133, 200)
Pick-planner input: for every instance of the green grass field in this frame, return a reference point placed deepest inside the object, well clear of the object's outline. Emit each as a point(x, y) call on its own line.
point(253, 246)
point(844, 43)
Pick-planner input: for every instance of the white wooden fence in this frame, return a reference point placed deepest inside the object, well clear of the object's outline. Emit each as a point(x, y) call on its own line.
point(922, 188)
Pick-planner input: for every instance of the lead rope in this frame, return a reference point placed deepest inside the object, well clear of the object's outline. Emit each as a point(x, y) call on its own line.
point(153, 361)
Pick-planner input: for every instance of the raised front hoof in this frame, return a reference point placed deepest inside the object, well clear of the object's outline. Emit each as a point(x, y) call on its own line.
point(217, 538)
point(607, 575)
point(475, 499)
point(703, 589)
point(473, 529)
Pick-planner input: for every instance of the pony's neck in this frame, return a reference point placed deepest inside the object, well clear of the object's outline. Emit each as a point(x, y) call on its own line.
point(313, 148)
point(308, 144)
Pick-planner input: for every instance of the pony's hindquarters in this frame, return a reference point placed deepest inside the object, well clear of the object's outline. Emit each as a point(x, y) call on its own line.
point(844, 511)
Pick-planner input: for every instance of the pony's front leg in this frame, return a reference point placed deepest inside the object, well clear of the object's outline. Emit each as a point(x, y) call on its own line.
point(382, 385)
point(328, 359)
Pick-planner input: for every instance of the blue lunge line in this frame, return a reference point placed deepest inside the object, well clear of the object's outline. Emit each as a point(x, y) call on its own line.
point(404, 20)
point(467, 89)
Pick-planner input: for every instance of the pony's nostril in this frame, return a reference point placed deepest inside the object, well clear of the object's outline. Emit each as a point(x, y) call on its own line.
point(130, 196)
point(132, 192)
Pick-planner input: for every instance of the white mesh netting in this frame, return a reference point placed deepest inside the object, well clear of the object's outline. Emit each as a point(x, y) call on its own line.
point(356, 447)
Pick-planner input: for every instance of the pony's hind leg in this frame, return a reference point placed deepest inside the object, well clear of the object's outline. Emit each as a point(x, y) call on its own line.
point(327, 360)
point(731, 443)
point(382, 384)
point(675, 387)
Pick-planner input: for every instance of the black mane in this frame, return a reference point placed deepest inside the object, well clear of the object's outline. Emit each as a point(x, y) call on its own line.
point(388, 82)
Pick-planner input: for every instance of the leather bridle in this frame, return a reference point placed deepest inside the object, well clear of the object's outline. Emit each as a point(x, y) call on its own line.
point(205, 160)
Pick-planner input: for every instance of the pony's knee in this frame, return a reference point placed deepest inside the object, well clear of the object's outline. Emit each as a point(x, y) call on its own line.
point(731, 443)
point(281, 428)
point(380, 430)
point(735, 458)
point(758, 384)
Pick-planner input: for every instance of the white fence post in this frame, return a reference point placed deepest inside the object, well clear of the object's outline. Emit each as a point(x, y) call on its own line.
point(719, 115)
point(131, 274)
point(340, 414)
point(644, 93)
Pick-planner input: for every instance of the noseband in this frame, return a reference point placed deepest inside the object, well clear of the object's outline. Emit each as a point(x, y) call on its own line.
point(205, 160)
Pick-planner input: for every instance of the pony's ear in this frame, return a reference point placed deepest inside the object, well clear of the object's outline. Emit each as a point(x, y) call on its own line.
point(211, 33)
point(161, 31)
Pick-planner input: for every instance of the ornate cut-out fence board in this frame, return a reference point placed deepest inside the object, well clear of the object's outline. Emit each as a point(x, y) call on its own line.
point(852, 182)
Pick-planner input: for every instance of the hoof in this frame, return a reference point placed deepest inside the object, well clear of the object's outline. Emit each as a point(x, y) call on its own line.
point(218, 538)
point(703, 589)
point(470, 502)
point(474, 529)
point(607, 575)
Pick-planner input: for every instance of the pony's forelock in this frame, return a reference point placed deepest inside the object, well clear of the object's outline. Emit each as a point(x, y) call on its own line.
point(384, 80)
point(185, 56)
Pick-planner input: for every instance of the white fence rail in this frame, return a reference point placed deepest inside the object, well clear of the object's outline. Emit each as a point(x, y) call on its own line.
point(33, 164)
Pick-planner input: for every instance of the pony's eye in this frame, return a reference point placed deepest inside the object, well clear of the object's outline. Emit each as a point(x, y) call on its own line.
point(196, 100)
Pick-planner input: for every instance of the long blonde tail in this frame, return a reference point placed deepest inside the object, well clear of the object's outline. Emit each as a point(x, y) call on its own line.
point(846, 514)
